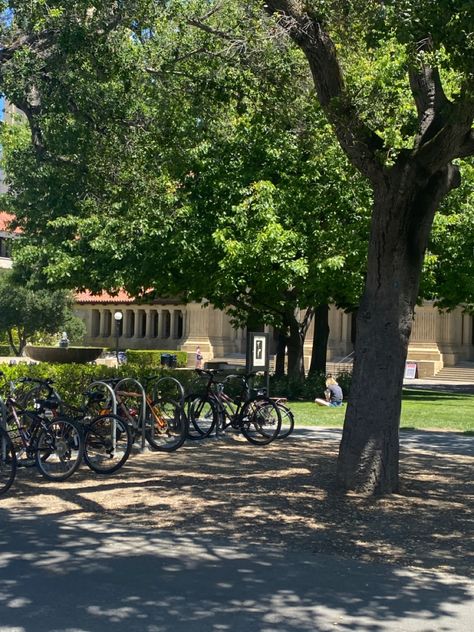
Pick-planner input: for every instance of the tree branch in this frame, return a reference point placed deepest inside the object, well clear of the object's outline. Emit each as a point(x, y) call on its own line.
point(454, 140)
point(359, 142)
point(432, 105)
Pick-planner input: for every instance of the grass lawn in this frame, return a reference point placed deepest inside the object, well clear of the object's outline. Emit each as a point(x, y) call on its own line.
point(421, 409)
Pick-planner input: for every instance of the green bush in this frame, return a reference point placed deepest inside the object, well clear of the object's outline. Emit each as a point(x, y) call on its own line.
point(344, 379)
point(71, 380)
point(152, 358)
point(5, 350)
point(308, 388)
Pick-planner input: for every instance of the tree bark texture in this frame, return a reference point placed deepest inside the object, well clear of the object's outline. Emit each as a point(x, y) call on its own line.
point(295, 342)
point(402, 217)
point(320, 340)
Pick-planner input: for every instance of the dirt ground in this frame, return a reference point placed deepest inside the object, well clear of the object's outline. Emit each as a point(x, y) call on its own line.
point(283, 493)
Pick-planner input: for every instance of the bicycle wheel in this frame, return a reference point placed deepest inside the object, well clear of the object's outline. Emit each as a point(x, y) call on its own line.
point(107, 444)
point(260, 421)
point(202, 416)
point(287, 421)
point(165, 425)
point(7, 462)
point(59, 449)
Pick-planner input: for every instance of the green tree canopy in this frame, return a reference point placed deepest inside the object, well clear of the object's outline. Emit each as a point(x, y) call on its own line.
point(191, 164)
point(26, 313)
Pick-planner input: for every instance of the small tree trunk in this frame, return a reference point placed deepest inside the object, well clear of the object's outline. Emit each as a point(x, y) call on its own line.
point(21, 343)
point(402, 217)
point(16, 350)
point(320, 340)
point(295, 344)
point(280, 354)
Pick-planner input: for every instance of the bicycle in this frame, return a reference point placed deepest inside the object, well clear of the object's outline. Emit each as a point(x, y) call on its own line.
point(287, 416)
point(256, 416)
point(106, 438)
point(54, 445)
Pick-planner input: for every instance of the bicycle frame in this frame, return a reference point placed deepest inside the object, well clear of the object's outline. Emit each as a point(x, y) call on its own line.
point(28, 438)
point(229, 410)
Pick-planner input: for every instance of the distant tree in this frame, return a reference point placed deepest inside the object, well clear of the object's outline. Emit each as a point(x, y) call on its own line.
point(26, 313)
point(448, 272)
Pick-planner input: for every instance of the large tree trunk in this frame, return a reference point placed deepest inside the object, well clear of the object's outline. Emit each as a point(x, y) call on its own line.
point(402, 217)
point(320, 340)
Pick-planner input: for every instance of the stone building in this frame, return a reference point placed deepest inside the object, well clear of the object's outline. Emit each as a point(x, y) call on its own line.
point(438, 339)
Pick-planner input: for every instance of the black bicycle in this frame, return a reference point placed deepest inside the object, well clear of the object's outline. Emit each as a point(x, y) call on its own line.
point(54, 445)
point(256, 416)
point(107, 442)
point(107, 437)
point(7, 462)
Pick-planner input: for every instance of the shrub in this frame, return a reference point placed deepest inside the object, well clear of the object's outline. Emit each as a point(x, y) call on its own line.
point(5, 350)
point(344, 379)
point(308, 388)
point(71, 380)
point(152, 358)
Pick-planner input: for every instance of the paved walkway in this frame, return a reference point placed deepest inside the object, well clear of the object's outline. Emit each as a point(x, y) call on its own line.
point(61, 575)
point(429, 440)
point(56, 575)
point(440, 385)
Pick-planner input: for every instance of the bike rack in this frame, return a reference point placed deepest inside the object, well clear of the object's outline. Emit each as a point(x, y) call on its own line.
point(174, 381)
point(111, 393)
point(136, 383)
point(114, 404)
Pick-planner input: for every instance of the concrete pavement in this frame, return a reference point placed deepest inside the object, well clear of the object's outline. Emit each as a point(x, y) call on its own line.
point(59, 576)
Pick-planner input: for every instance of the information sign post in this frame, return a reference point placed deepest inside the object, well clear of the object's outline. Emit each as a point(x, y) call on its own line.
point(258, 354)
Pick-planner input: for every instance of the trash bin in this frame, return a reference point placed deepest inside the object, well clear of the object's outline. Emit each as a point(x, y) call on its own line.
point(169, 359)
point(165, 359)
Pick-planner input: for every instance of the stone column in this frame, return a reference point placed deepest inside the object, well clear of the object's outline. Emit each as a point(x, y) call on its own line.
point(196, 332)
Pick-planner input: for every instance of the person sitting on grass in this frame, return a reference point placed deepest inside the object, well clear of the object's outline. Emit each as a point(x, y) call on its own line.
point(333, 394)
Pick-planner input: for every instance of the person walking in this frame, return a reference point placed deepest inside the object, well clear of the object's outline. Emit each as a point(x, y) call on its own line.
point(199, 358)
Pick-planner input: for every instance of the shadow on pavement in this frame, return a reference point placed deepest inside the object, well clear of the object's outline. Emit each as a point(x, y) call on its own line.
point(56, 574)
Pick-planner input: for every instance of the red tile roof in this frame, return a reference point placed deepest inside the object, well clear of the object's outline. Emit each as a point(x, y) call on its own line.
point(104, 297)
point(5, 219)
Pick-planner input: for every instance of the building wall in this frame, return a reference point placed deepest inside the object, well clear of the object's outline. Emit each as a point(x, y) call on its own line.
point(438, 338)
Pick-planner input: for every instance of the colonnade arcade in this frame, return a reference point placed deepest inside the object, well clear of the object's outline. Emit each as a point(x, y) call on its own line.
point(136, 323)
point(438, 338)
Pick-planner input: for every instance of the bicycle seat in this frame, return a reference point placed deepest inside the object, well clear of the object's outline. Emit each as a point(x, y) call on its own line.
point(49, 403)
point(209, 372)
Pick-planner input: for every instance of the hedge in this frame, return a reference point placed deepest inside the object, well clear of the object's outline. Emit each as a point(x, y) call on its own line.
point(71, 380)
point(5, 350)
point(308, 388)
point(152, 358)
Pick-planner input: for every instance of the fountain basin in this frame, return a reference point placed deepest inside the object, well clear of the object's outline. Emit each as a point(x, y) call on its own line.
point(63, 355)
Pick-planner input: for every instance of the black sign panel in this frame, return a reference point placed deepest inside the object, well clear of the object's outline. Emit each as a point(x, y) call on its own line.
point(258, 351)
